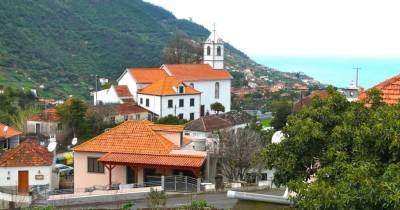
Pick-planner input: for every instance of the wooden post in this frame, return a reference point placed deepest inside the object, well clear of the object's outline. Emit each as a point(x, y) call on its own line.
point(109, 168)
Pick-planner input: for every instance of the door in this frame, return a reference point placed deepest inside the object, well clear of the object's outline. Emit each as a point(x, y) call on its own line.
point(23, 182)
point(201, 110)
point(37, 128)
point(130, 175)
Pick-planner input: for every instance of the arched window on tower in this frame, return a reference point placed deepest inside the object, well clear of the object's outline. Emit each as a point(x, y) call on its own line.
point(217, 90)
point(219, 51)
point(208, 50)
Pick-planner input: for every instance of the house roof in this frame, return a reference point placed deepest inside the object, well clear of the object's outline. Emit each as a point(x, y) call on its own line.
point(168, 86)
point(168, 128)
point(390, 89)
point(118, 109)
point(147, 75)
point(123, 91)
point(129, 137)
point(28, 153)
point(194, 72)
point(48, 115)
point(307, 100)
point(11, 132)
point(215, 122)
point(174, 160)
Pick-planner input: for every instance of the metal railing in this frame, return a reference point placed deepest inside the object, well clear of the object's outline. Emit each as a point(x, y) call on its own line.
point(181, 184)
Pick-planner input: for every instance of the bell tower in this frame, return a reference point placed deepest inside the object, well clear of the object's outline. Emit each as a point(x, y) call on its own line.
point(214, 51)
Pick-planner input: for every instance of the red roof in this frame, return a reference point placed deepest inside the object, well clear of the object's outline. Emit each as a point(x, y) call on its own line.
point(168, 86)
point(194, 72)
point(307, 100)
point(173, 160)
point(123, 91)
point(129, 108)
point(27, 153)
point(11, 132)
point(147, 75)
point(390, 89)
point(48, 115)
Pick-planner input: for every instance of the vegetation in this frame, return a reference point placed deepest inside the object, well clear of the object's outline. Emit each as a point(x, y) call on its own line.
point(197, 205)
point(217, 107)
point(73, 113)
point(281, 110)
point(171, 120)
point(341, 155)
point(156, 198)
point(181, 49)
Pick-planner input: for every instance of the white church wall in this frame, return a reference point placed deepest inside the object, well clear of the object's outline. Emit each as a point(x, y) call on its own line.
point(185, 110)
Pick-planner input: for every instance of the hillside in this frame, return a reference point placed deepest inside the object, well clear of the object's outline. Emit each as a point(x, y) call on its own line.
point(57, 46)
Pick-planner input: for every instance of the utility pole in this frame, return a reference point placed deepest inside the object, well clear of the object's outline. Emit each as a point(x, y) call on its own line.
point(357, 68)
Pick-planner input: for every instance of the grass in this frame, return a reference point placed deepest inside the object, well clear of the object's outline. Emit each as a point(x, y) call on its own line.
point(266, 123)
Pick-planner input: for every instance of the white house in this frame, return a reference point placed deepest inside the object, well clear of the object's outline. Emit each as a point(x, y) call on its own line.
point(26, 166)
point(170, 96)
point(9, 137)
point(115, 94)
point(209, 78)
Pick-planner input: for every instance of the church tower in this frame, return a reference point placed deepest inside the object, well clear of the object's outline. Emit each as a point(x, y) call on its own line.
point(214, 51)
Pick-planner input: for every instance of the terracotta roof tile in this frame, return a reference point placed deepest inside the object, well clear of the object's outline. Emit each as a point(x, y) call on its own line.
point(123, 91)
point(390, 89)
point(27, 153)
point(11, 132)
point(48, 115)
point(129, 137)
point(216, 122)
point(307, 100)
point(129, 108)
point(168, 128)
point(168, 86)
point(147, 75)
point(193, 72)
point(155, 159)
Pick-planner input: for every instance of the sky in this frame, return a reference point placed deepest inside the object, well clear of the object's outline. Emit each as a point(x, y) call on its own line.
point(360, 28)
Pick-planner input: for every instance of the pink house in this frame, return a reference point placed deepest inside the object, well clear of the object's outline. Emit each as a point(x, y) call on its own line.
point(133, 152)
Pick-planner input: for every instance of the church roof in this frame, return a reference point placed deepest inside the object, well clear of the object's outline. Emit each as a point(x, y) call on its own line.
point(168, 86)
point(196, 72)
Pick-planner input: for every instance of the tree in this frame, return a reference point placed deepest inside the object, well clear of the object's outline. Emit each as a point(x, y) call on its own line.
point(181, 49)
point(73, 113)
point(217, 107)
point(171, 120)
point(281, 111)
point(340, 155)
point(21, 116)
point(238, 152)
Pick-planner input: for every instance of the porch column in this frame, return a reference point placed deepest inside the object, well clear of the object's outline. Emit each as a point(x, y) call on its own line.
point(109, 167)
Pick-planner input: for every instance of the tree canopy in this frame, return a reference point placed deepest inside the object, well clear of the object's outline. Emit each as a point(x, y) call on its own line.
point(217, 107)
point(350, 149)
point(171, 120)
point(281, 110)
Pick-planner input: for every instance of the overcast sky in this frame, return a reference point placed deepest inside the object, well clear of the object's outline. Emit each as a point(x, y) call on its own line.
point(299, 27)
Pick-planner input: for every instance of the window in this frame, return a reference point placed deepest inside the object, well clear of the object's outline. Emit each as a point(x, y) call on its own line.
point(137, 116)
point(192, 85)
point(192, 116)
point(192, 102)
point(170, 103)
point(181, 89)
point(217, 90)
point(59, 126)
point(126, 117)
point(218, 51)
point(112, 119)
point(208, 50)
point(147, 102)
point(180, 116)
point(37, 128)
point(181, 103)
point(141, 100)
point(95, 166)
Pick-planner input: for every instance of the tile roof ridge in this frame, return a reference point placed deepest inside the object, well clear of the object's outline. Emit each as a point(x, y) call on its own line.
point(157, 154)
point(204, 124)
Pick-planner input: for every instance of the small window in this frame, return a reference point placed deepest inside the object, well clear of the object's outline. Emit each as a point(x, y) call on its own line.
point(170, 103)
point(95, 166)
point(187, 134)
point(192, 85)
point(126, 117)
point(147, 102)
point(181, 89)
point(192, 116)
point(59, 127)
point(219, 51)
point(181, 103)
point(208, 50)
point(192, 102)
point(37, 128)
point(141, 100)
point(217, 90)
point(137, 116)
point(180, 116)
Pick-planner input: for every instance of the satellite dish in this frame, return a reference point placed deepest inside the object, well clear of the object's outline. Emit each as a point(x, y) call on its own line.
point(52, 146)
point(74, 141)
point(5, 128)
point(277, 137)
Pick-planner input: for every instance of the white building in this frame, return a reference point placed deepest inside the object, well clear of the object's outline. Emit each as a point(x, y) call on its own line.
point(210, 79)
point(26, 166)
point(114, 95)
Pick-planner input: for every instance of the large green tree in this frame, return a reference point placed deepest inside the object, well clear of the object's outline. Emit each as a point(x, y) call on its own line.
point(281, 110)
point(73, 113)
point(349, 150)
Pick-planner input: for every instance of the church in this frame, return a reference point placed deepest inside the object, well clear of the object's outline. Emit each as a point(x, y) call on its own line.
point(183, 90)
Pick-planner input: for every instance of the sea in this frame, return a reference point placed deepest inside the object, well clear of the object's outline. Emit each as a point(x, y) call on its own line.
point(336, 71)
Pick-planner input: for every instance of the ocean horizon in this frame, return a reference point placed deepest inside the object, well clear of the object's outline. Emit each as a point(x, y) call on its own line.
point(337, 71)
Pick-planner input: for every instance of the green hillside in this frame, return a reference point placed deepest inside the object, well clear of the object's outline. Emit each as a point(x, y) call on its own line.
point(62, 44)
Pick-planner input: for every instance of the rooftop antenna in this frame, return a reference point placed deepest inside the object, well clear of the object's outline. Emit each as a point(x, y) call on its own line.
point(357, 68)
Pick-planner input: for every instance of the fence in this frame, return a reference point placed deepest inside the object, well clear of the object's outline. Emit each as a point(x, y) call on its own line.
point(180, 184)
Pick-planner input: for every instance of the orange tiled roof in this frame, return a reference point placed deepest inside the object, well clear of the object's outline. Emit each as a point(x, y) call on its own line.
point(27, 153)
point(11, 132)
point(307, 100)
point(48, 115)
point(193, 72)
point(123, 91)
point(168, 86)
point(174, 160)
point(147, 75)
point(130, 137)
point(390, 89)
point(129, 108)
point(168, 128)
